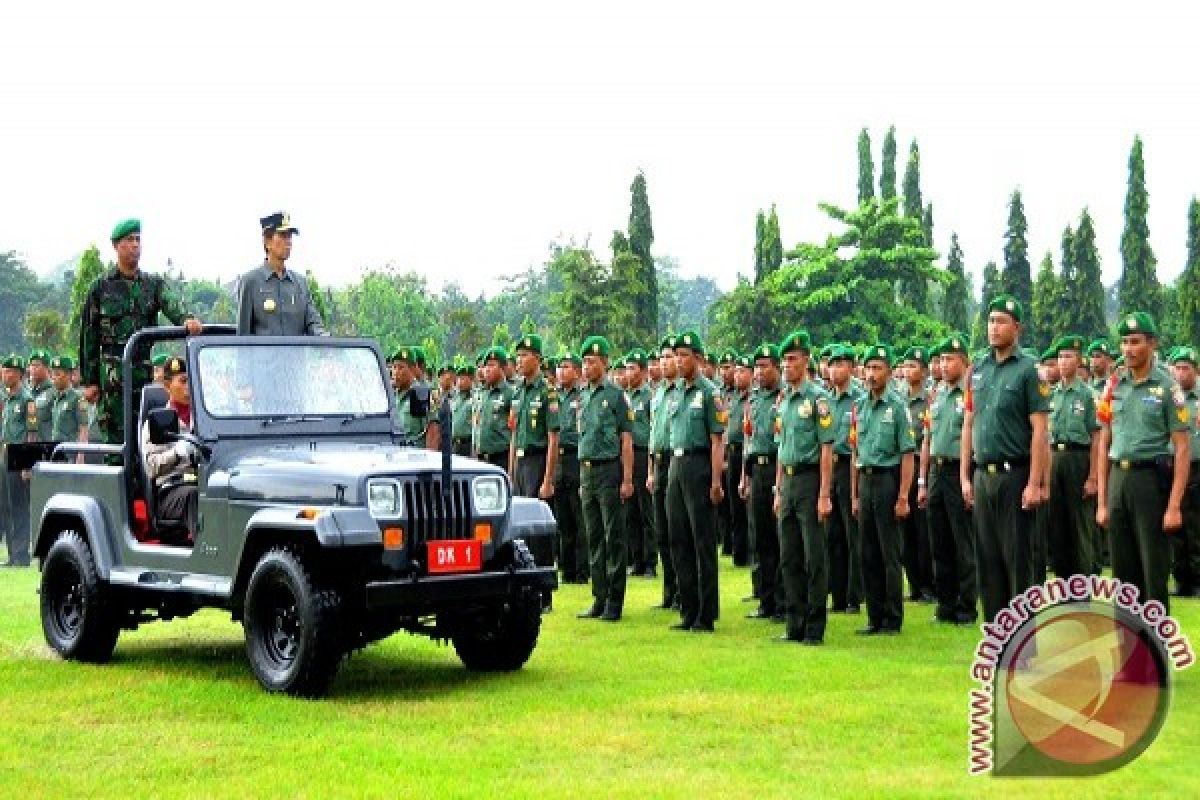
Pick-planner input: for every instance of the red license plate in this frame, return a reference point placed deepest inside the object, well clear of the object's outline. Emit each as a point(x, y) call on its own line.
point(461, 555)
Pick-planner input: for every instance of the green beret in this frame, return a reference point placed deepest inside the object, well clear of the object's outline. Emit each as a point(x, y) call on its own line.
point(1137, 322)
point(62, 362)
point(767, 350)
point(174, 366)
point(843, 352)
point(421, 357)
point(1049, 354)
point(13, 361)
point(744, 361)
point(496, 353)
point(124, 228)
point(729, 356)
point(1069, 342)
point(878, 352)
point(464, 368)
point(690, 340)
point(531, 342)
point(1006, 304)
point(445, 367)
point(406, 354)
point(916, 354)
point(1184, 353)
point(796, 340)
point(635, 357)
point(1099, 346)
point(668, 343)
point(954, 343)
point(595, 346)
point(40, 355)
point(826, 351)
point(159, 360)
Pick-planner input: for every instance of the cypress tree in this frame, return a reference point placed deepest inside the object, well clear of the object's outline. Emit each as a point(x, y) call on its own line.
point(772, 243)
point(760, 232)
point(1068, 314)
point(1087, 292)
point(1016, 278)
point(954, 306)
point(1047, 300)
point(912, 204)
point(866, 168)
point(641, 237)
point(992, 286)
point(887, 170)
point(927, 224)
point(1188, 292)
point(1139, 289)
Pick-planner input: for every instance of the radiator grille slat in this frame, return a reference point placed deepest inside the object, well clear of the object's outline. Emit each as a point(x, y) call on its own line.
point(432, 515)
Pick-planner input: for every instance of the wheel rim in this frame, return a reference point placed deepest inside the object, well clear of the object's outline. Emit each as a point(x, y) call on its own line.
point(280, 625)
point(67, 604)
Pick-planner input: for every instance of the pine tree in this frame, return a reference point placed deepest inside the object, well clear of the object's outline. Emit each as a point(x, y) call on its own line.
point(1048, 298)
point(927, 224)
point(1016, 278)
point(760, 232)
point(641, 238)
point(1087, 291)
point(887, 170)
point(866, 168)
point(914, 292)
point(772, 243)
point(1139, 289)
point(1068, 315)
point(1187, 328)
point(992, 286)
point(954, 306)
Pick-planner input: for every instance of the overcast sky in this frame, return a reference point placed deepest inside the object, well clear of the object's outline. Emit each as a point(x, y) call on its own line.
point(460, 139)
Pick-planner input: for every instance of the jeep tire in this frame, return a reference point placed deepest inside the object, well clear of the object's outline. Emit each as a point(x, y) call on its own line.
point(291, 626)
point(501, 637)
point(79, 619)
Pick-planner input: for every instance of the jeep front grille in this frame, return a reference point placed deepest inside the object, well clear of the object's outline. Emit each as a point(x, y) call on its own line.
point(434, 516)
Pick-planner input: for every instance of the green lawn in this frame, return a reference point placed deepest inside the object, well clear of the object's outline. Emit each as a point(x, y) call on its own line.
point(625, 710)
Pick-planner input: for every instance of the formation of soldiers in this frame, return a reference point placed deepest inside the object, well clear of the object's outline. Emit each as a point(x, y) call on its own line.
point(833, 473)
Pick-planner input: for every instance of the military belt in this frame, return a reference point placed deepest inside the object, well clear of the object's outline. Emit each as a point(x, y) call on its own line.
point(941, 461)
point(1128, 465)
point(530, 451)
point(1071, 447)
point(680, 452)
point(800, 469)
point(994, 467)
point(596, 462)
point(878, 470)
point(763, 460)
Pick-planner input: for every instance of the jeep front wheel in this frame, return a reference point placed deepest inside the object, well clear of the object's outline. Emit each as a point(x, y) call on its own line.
point(291, 626)
point(78, 618)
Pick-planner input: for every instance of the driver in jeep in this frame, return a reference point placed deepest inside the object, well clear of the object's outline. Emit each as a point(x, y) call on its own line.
point(172, 466)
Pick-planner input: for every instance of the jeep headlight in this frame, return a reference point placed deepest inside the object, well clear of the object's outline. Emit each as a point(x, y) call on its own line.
point(490, 495)
point(383, 499)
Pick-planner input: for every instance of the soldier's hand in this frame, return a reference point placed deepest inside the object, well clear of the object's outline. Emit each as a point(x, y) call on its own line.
point(968, 493)
point(854, 507)
point(26, 474)
point(626, 489)
point(716, 494)
point(1101, 516)
point(902, 507)
point(650, 483)
point(775, 505)
point(1089, 488)
point(824, 507)
point(744, 489)
point(1031, 497)
point(1172, 520)
point(547, 491)
point(91, 393)
point(922, 496)
point(192, 326)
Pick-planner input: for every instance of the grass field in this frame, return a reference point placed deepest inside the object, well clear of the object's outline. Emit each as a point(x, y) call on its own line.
point(601, 710)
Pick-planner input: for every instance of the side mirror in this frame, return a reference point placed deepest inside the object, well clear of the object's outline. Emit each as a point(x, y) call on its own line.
point(164, 425)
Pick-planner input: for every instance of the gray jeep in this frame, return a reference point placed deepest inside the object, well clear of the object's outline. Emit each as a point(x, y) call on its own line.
point(317, 527)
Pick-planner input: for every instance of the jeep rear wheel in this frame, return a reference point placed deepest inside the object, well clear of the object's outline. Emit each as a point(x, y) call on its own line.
point(78, 618)
point(291, 626)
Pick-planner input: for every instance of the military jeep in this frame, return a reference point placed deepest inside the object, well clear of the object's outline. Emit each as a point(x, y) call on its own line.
point(317, 527)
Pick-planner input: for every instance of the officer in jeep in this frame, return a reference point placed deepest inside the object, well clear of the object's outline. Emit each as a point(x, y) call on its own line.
point(172, 466)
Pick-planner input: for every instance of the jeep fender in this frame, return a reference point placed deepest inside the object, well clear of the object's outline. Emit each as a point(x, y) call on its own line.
point(332, 527)
point(86, 516)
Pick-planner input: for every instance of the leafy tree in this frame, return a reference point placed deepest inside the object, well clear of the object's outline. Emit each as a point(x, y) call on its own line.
point(927, 224)
point(1187, 328)
point(1048, 298)
point(957, 295)
point(768, 248)
point(314, 290)
point(887, 170)
point(89, 270)
point(1087, 290)
point(641, 238)
point(222, 310)
point(683, 302)
point(585, 306)
point(395, 308)
point(1139, 288)
point(866, 168)
point(1016, 278)
point(46, 328)
point(992, 286)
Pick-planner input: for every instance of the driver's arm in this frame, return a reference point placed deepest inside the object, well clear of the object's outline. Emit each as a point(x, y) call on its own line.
point(160, 459)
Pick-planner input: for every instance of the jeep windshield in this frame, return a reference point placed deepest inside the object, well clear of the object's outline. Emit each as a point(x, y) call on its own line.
point(290, 383)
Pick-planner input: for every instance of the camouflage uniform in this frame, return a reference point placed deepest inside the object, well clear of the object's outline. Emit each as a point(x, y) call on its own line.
point(115, 308)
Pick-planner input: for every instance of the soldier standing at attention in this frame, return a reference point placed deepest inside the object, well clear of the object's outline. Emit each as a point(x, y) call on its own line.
point(1075, 438)
point(1145, 429)
point(16, 426)
point(534, 448)
point(736, 401)
point(1100, 363)
point(1004, 438)
point(918, 561)
point(1186, 543)
point(698, 421)
point(40, 387)
point(495, 401)
point(879, 480)
point(724, 379)
point(803, 497)
point(272, 299)
point(843, 542)
point(412, 412)
point(659, 465)
point(568, 509)
point(758, 483)
point(68, 409)
point(639, 511)
point(117, 305)
point(461, 410)
point(950, 527)
point(606, 460)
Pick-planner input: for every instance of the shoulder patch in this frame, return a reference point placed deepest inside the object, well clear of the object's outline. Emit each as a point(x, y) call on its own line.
point(1043, 389)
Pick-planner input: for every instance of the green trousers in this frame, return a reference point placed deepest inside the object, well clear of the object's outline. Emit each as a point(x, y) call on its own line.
point(843, 542)
point(736, 507)
point(691, 522)
point(662, 467)
point(1004, 536)
point(802, 552)
point(953, 539)
point(1069, 536)
point(883, 583)
point(1186, 543)
point(1141, 550)
point(568, 513)
point(639, 518)
point(763, 534)
point(531, 471)
point(604, 518)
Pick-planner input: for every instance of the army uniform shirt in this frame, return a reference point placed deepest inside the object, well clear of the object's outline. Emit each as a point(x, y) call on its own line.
point(43, 411)
point(918, 407)
point(1144, 415)
point(946, 421)
point(407, 423)
point(1193, 403)
point(69, 413)
point(804, 423)
point(735, 433)
point(1073, 414)
point(535, 411)
point(276, 305)
point(660, 418)
point(761, 405)
point(1003, 396)
point(568, 419)
point(639, 403)
point(884, 431)
point(604, 415)
point(495, 403)
point(842, 406)
point(15, 426)
point(461, 415)
point(696, 412)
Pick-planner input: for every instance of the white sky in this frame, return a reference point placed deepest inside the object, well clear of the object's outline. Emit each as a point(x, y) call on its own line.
point(459, 139)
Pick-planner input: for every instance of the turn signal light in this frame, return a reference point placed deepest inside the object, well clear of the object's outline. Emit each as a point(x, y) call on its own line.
point(483, 531)
point(393, 538)
point(308, 513)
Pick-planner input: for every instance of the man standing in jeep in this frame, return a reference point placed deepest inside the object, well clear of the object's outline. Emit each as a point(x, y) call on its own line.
point(272, 299)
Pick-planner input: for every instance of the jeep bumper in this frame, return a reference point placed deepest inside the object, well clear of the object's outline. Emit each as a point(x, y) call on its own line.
point(437, 592)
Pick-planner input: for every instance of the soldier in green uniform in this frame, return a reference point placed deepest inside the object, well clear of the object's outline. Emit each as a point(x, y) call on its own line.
point(1003, 438)
point(758, 482)
point(68, 409)
point(724, 361)
point(606, 480)
point(698, 421)
point(117, 305)
point(639, 511)
point(461, 409)
point(157, 363)
point(737, 400)
point(950, 526)
point(879, 479)
point(1100, 363)
point(1143, 478)
point(803, 499)
point(412, 413)
point(16, 426)
point(493, 434)
point(38, 379)
point(568, 510)
point(843, 542)
point(917, 558)
point(534, 448)
point(660, 463)
point(1075, 441)
point(1186, 543)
